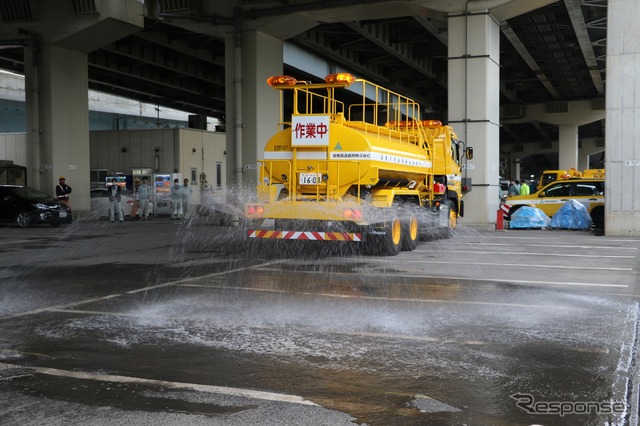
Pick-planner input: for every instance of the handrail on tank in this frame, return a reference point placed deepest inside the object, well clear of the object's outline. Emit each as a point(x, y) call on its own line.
point(307, 100)
point(379, 106)
point(387, 105)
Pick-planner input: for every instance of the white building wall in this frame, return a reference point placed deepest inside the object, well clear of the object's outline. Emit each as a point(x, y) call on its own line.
point(178, 151)
point(13, 148)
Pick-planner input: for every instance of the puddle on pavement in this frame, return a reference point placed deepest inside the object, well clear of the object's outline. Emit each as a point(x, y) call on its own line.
point(123, 396)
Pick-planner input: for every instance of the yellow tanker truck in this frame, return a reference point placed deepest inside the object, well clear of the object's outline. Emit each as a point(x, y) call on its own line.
point(366, 170)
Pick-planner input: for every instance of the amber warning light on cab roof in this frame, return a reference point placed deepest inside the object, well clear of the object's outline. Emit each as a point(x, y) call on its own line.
point(341, 78)
point(281, 80)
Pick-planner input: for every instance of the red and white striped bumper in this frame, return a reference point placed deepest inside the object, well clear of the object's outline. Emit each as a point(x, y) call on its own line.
point(304, 235)
point(505, 210)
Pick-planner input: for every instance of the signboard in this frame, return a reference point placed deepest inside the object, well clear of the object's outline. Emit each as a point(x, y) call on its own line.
point(310, 130)
point(632, 163)
point(123, 181)
point(162, 194)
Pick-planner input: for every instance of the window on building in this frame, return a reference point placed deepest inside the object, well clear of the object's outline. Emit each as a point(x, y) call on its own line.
point(141, 172)
point(98, 177)
point(218, 175)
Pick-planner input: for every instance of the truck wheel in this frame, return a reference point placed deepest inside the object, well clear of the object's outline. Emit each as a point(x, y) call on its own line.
point(410, 234)
point(392, 242)
point(453, 215)
point(453, 221)
point(383, 240)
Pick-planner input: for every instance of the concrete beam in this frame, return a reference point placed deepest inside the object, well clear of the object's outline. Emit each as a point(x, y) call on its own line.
point(511, 9)
point(77, 26)
point(379, 35)
point(580, 27)
point(526, 56)
point(578, 113)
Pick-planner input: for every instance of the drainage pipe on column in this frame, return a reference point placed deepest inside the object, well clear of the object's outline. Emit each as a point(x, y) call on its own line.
point(237, 86)
point(466, 72)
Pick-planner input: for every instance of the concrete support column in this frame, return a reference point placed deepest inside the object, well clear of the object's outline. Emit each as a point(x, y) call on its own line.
point(622, 204)
point(58, 121)
point(568, 147)
point(32, 102)
point(261, 57)
point(474, 106)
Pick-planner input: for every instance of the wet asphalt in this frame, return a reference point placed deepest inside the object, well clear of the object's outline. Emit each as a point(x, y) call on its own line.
point(173, 323)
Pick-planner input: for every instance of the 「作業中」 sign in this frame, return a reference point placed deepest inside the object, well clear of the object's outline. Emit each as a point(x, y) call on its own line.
point(310, 130)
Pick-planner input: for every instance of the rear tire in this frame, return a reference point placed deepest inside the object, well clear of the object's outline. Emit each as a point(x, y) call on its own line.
point(23, 220)
point(384, 240)
point(410, 233)
point(392, 242)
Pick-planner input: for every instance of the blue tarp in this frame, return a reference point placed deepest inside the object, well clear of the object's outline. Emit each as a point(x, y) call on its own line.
point(572, 215)
point(529, 217)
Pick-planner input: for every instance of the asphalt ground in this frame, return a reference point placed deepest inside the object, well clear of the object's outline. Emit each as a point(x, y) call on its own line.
point(167, 322)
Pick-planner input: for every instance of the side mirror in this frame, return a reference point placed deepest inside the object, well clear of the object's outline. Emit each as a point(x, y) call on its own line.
point(469, 153)
point(542, 194)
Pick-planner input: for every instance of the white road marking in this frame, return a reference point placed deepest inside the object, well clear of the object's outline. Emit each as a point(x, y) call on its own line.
point(600, 239)
point(613, 240)
point(508, 281)
point(546, 246)
point(20, 241)
point(518, 265)
point(67, 305)
point(520, 253)
point(498, 236)
point(222, 390)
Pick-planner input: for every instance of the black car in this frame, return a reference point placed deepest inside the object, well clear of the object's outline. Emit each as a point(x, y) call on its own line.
point(25, 206)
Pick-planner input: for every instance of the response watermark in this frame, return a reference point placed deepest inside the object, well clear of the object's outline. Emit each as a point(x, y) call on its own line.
point(527, 402)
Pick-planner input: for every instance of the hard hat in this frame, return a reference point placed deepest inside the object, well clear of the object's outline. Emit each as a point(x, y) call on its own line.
point(61, 178)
